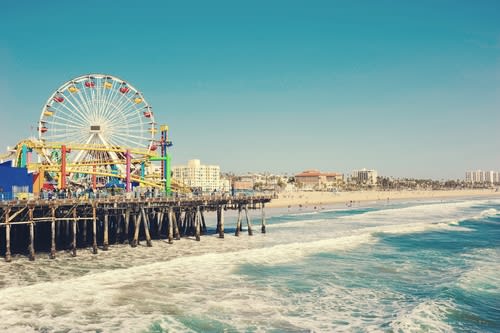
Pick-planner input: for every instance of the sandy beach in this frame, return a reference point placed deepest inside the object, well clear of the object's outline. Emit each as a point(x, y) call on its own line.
point(314, 198)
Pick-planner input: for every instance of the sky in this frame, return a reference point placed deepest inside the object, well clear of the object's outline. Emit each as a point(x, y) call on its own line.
point(408, 88)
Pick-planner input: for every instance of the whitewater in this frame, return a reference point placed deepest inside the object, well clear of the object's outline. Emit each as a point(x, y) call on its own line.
point(426, 266)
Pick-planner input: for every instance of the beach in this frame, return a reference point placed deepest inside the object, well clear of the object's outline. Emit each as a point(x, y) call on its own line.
point(320, 198)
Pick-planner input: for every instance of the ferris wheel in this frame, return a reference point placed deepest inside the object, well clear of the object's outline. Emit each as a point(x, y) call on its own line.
point(97, 110)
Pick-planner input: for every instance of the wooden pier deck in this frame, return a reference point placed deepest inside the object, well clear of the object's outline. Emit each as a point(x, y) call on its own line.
point(29, 226)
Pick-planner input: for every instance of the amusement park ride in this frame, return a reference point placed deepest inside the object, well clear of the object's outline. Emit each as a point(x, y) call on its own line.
point(96, 130)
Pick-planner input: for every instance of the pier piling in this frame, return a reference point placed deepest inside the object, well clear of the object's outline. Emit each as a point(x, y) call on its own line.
point(105, 242)
point(220, 221)
point(249, 222)
point(32, 235)
point(263, 228)
point(73, 251)
point(177, 217)
point(8, 256)
point(117, 225)
point(53, 233)
point(197, 223)
point(137, 223)
point(159, 222)
point(145, 222)
point(203, 224)
point(63, 224)
point(94, 229)
point(127, 224)
point(238, 222)
point(170, 225)
point(84, 233)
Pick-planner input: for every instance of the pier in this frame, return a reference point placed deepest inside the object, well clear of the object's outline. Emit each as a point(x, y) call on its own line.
point(47, 226)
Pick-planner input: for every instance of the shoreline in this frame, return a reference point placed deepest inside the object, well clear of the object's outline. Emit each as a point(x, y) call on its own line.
point(317, 198)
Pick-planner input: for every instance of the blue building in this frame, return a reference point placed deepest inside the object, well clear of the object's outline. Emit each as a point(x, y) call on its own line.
point(14, 180)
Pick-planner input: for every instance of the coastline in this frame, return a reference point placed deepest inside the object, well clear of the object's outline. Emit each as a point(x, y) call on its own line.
point(317, 198)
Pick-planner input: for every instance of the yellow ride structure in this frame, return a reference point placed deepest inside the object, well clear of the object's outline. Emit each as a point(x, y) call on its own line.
point(46, 168)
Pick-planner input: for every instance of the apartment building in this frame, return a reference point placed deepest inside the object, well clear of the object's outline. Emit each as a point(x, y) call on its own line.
point(364, 176)
point(479, 176)
point(314, 179)
point(202, 177)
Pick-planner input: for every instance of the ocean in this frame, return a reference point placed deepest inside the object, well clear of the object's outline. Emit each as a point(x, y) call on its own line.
point(421, 266)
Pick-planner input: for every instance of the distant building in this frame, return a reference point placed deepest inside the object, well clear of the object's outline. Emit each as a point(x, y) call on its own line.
point(266, 182)
point(468, 177)
point(308, 179)
point(203, 177)
point(364, 176)
point(248, 180)
point(490, 176)
point(315, 180)
point(239, 185)
point(479, 176)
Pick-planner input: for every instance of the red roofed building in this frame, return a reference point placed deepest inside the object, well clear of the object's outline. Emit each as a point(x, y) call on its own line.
point(314, 179)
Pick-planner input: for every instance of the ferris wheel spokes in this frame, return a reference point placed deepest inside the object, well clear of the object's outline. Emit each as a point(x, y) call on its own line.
point(99, 111)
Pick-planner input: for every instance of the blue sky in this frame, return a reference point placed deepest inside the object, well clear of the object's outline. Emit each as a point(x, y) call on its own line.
point(410, 88)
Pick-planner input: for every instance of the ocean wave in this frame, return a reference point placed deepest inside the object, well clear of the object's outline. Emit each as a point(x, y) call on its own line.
point(428, 316)
point(483, 277)
point(489, 212)
point(297, 223)
point(410, 228)
point(301, 214)
point(482, 216)
point(288, 252)
point(132, 298)
point(442, 212)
